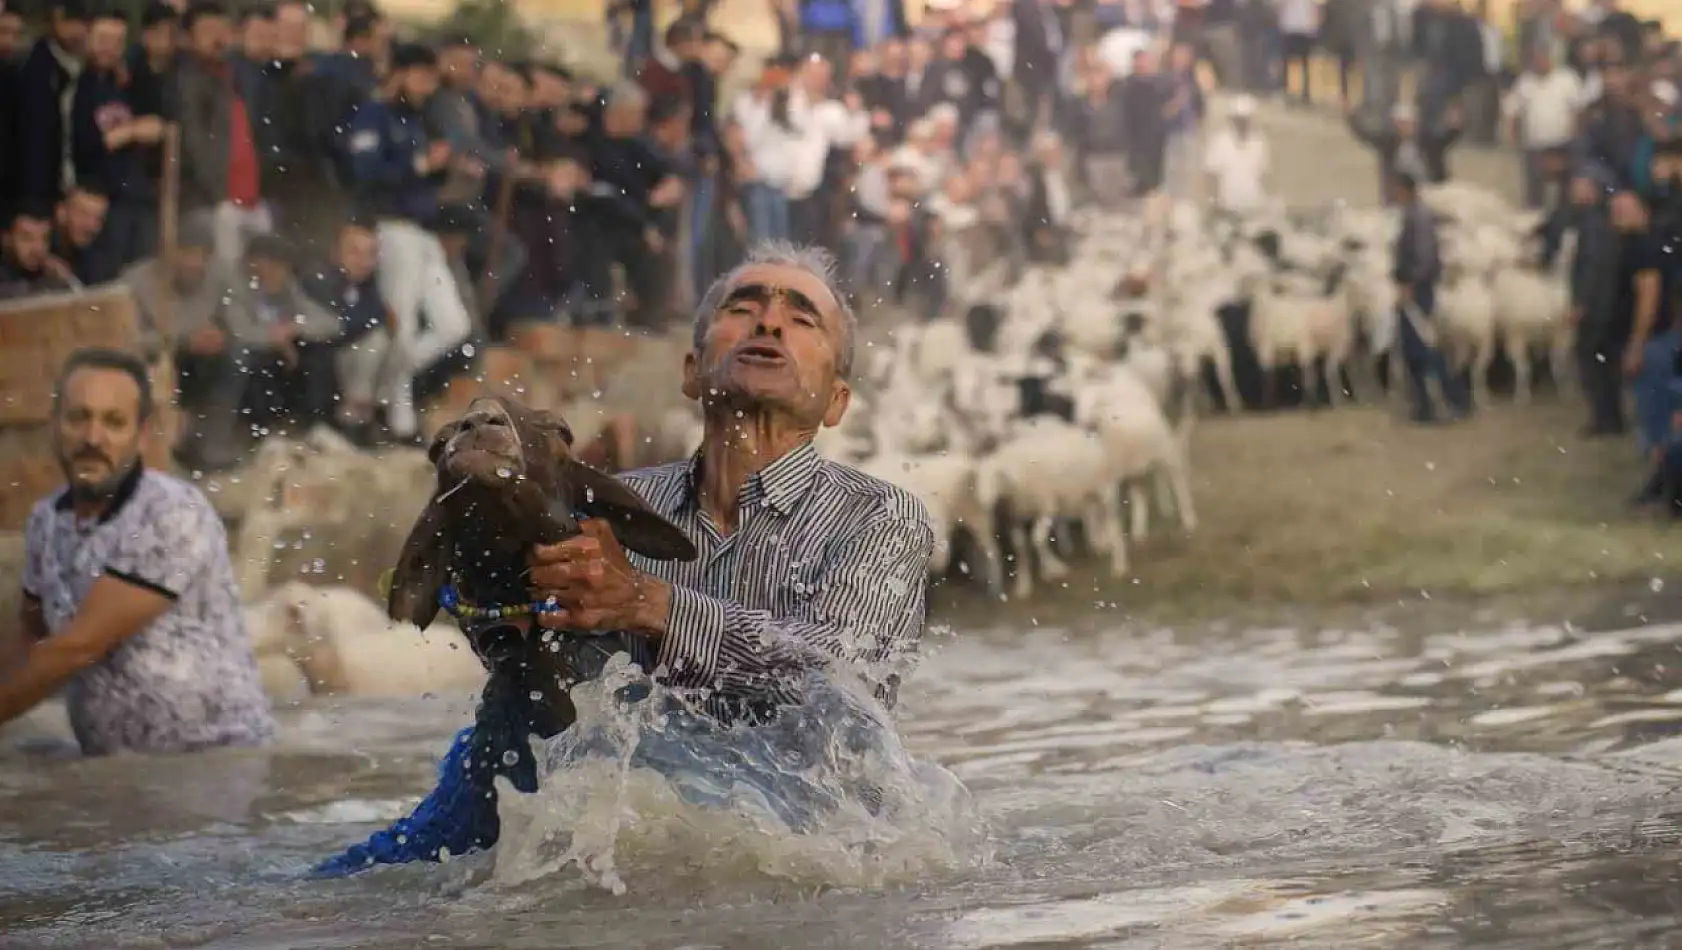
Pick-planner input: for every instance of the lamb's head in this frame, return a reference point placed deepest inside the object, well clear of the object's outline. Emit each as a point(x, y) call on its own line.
point(506, 480)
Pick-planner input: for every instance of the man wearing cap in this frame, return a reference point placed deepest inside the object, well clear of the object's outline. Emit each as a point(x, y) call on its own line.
point(398, 169)
point(1238, 161)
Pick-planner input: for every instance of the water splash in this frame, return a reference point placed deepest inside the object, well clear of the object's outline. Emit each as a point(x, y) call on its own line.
point(823, 795)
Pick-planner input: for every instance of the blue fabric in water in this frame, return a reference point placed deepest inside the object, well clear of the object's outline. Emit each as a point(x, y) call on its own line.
point(798, 766)
point(460, 815)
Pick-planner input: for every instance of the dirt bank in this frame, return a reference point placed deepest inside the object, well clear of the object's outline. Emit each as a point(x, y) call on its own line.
point(1355, 508)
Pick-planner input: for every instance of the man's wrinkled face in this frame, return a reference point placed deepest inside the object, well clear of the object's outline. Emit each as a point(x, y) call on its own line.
point(97, 430)
point(82, 216)
point(775, 342)
point(106, 41)
point(28, 241)
point(359, 253)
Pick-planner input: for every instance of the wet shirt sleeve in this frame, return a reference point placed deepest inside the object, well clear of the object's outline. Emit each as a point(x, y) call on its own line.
point(166, 548)
point(867, 613)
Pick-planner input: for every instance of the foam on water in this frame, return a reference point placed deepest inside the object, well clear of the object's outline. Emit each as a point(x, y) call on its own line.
point(823, 795)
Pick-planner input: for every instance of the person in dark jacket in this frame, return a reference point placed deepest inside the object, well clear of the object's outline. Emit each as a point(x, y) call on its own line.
point(110, 141)
point(27, 265)
point(79, 219)
point(11, 32)
point(1594, 278)
point(46, 88)
point(348, 288)
point(131, 226)
point(399, 169)
point(1146, 99)
point(1416, 271)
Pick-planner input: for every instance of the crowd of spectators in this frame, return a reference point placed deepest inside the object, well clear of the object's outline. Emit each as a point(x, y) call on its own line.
point(358, 213)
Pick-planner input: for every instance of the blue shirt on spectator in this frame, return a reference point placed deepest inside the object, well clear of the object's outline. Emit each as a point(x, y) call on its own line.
point(386, 142)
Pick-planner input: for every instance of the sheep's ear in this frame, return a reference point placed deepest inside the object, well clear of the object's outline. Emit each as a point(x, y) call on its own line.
point(422, 569)
point(637, 526)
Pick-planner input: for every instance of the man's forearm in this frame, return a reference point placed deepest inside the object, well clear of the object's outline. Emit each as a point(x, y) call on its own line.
point(47, 667)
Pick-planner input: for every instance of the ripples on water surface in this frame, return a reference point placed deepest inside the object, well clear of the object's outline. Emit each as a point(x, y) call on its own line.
point(1505, 788)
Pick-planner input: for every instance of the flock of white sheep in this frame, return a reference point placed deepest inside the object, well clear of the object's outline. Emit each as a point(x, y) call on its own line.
point(1055, 416)
point(1067, 401)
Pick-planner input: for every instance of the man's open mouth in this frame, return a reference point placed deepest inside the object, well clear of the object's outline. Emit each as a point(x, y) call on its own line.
point(762, 354)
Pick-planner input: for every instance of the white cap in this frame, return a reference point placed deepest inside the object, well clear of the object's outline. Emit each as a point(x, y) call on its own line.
point(1243, 106)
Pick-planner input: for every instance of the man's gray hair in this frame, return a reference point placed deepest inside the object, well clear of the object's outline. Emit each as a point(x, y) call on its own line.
point(813, 260)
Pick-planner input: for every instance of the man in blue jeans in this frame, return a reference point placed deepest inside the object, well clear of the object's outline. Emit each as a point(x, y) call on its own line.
point(1416, 269)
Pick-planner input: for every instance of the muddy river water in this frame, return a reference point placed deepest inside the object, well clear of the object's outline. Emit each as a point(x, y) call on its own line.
point(1454, 784)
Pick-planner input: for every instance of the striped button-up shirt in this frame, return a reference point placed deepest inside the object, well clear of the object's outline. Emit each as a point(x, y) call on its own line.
point(826, 567)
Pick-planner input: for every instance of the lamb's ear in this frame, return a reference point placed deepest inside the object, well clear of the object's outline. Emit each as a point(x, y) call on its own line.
point(637, 526)
point(422, 569)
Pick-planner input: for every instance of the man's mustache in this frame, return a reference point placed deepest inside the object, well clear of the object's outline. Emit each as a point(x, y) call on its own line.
point(90, 455)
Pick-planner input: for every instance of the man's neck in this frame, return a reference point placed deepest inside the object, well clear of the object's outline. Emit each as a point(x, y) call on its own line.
point(734, 450)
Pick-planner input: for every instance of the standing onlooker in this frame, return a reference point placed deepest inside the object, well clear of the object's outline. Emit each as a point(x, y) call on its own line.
point(1613, 127)
point(46, 90)
point(132, 225)
point(1104, 137)
point(1299, 22)
point(1542, 108)
point(1039, 49)
point(1185, 122)
point(1646, 310)
point(1238, 161)
point(1404, 146)
point(220, 168)
point(1146, 106)
point(1595, 267)
point(11, 32)
point(1482, 96)
point(400, 168)
point(1417, 268)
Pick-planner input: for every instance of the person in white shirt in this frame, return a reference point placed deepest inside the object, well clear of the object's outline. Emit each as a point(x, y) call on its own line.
point(1542, 109)
point(821, 124)
point(1238, 160)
